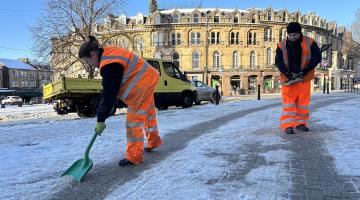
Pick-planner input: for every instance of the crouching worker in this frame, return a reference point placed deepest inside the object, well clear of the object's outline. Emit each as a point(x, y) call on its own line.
point(131, 79)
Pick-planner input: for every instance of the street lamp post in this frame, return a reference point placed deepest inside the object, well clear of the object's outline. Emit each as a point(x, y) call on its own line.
point(207, 50)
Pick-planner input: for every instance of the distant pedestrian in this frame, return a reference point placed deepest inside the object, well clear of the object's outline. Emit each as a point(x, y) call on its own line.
point(296, 58)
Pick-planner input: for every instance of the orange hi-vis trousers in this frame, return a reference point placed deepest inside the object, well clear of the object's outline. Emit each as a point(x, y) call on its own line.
point(141, 118)
point(295, 105)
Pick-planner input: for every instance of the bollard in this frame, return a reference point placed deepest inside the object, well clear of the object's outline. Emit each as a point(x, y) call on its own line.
point(258, 96)
point(217, 98)
point(327, 88)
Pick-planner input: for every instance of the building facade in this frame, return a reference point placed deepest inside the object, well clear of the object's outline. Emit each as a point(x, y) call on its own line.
point(25, 79)
point(232, 48)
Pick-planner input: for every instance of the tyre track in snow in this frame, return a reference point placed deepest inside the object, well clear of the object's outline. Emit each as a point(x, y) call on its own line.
point(103, 180)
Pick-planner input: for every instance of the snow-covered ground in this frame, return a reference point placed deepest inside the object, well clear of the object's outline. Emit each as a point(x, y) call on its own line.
point(34, 155)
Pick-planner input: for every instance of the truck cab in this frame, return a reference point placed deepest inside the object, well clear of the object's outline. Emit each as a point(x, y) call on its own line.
point(173, 88)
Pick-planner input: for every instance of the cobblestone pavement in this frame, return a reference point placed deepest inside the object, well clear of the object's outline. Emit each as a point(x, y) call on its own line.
point(311, 172)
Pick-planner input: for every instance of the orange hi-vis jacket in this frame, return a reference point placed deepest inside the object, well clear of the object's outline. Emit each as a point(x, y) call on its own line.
point(134, 70)
point(305, 57)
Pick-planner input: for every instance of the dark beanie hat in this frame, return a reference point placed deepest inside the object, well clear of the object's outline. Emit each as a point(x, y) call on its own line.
point(293, 27)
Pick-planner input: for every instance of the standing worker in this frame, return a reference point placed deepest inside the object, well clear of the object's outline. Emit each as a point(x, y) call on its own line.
point(133, 80)
point(296, 58)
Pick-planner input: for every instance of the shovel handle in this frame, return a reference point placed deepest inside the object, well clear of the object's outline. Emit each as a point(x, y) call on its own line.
point(86, 156)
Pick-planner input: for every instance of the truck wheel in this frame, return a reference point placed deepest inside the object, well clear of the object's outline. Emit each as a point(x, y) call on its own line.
point(187, 100)
point(85, 111)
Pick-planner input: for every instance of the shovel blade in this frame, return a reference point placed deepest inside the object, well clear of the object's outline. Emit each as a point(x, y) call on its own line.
point(79, 169)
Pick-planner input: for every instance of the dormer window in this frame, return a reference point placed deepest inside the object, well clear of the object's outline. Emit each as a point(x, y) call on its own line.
point(216, 18)
point(236, 18)
point(157, 19)
point(175, 18)
point(269, 16)
point(196, 18)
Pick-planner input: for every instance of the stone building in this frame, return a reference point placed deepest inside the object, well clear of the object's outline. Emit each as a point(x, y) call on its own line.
point(232, 48)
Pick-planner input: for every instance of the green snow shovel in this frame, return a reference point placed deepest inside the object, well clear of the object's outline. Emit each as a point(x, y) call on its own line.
point(81, 167)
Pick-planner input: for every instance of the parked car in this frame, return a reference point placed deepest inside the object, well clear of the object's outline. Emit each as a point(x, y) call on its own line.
point(204, 92)
point(12, 100)
point(36, 100)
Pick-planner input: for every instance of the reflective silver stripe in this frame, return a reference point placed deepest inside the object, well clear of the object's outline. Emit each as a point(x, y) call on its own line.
point(292, 120)
point(131, 139)
point(151, 117)
point(285, 58)
point(152, 107)
point(138, 112)
point(133, 124)
point(152, 129)
point(303, 107)
point(134, 81)
point(131, 69)
point(295, 114)
point(114, 58)
point(290, 105)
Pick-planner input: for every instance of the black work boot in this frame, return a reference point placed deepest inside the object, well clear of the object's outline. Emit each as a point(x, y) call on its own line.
point(289, 130)
point(125, 162)
point(148, 149)
point(302, 128)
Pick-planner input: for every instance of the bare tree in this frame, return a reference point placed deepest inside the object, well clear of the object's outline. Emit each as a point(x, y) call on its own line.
point(355, 26)
point(59, 33)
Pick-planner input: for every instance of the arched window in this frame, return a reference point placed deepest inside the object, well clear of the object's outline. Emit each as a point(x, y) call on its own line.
point(269, 57)
point(215, 37)
point(158, 39)
point(172, 38)
point(252, 60)
point(178, 38)
point(192, 36)
point(195, 38)
point(176, 58)
point(235, 59)
point(249, 38)
point(216, 60)
point(268, 35)
point(269, 16)
point(195, 60)
point(198, 38)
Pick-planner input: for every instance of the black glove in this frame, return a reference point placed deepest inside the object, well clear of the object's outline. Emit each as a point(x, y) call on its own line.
point(305, 71)
point(290, 75)
point(299, 75)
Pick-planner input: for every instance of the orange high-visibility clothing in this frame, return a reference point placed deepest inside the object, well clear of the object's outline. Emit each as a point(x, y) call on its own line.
point(305, 57)
point(296, 97)
point(137, 92)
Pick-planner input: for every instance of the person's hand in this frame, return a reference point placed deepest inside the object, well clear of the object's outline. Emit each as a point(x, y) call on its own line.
point(299, 75)
point(290, 75)
point(100, 127)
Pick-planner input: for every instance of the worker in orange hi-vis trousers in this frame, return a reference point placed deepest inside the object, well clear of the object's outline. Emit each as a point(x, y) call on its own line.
point(133, 80)
point(296, 58)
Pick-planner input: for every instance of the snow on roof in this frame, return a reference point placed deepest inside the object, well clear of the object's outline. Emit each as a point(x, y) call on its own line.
point(15, 64)
point(190, 10)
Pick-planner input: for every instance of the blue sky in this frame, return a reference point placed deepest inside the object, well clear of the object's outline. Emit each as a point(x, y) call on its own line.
point(16, 16)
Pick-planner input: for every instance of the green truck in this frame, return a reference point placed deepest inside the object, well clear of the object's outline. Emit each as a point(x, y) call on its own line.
point(82, 95)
